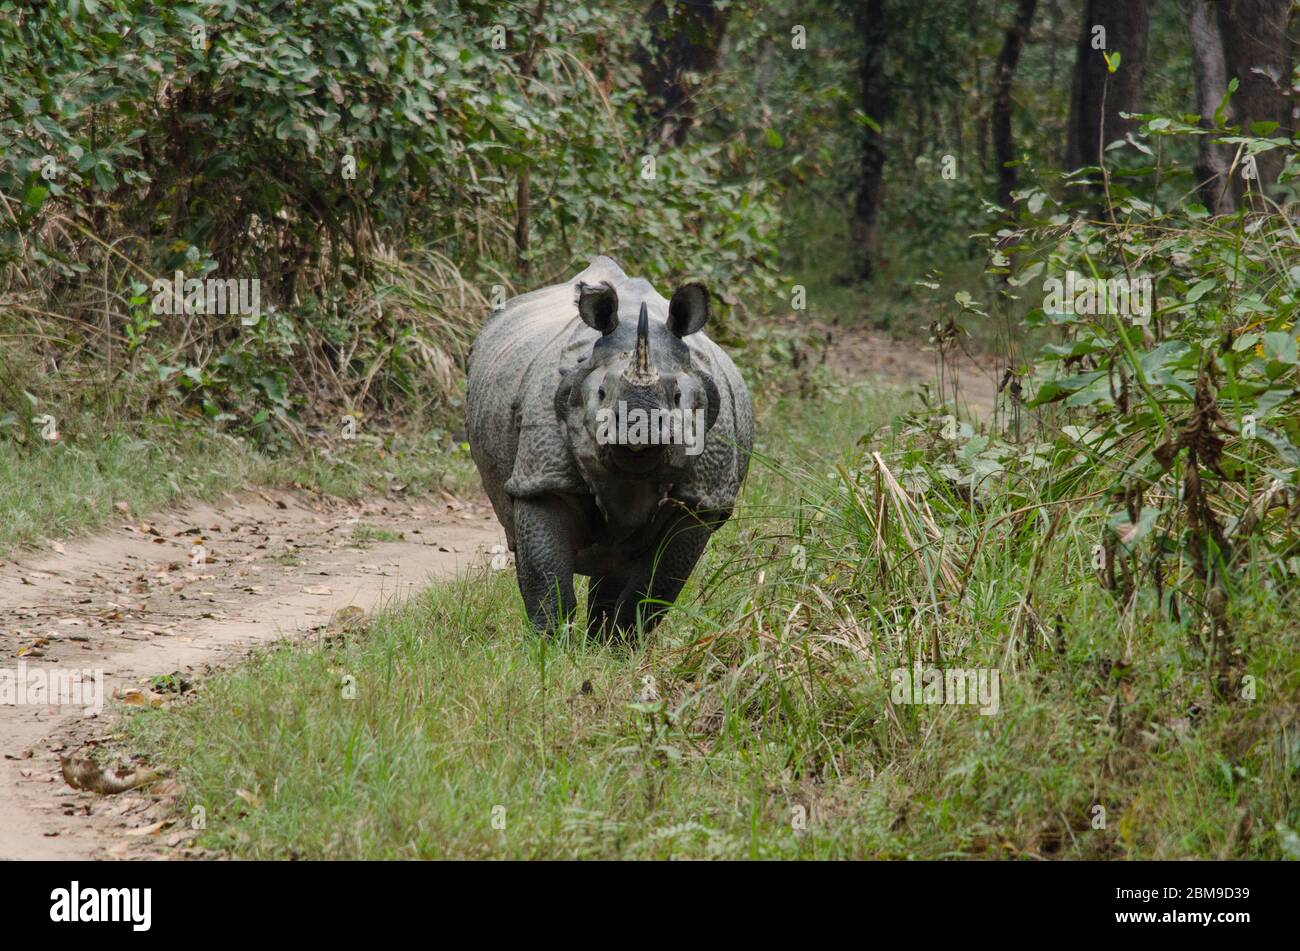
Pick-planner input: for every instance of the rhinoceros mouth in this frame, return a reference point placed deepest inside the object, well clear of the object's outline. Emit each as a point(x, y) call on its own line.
point(634, 460)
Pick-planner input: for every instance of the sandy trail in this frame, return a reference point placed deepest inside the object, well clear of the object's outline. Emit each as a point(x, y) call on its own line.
point(865, 354)
point(135, 603)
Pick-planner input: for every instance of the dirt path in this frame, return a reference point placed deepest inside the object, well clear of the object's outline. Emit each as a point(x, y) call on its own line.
point(141, 601)
point(873, 356)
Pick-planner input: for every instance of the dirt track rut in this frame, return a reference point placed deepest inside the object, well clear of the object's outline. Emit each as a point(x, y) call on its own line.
point(177, 592)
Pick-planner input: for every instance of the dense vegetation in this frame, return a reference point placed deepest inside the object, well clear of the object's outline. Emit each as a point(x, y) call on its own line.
point(380, 168)
point(1117, 538)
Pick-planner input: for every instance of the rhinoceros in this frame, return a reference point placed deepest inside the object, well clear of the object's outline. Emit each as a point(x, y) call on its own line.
point(570, 406)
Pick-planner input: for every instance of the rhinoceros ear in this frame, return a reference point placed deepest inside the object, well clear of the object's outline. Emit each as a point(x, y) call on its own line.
point(597, 305)
point(688, 311)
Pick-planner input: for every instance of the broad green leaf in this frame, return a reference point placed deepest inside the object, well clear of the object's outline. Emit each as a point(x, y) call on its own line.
point(1200, 289)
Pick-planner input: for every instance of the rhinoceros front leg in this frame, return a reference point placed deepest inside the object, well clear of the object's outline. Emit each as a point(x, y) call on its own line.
point(545, 542)
point(603, 593)
point(654, 587)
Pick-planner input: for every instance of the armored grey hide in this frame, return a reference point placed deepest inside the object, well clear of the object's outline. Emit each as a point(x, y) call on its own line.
point(529, 417)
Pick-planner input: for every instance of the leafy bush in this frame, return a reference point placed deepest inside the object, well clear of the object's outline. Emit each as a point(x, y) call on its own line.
point(1172, 432)
point(363, 161)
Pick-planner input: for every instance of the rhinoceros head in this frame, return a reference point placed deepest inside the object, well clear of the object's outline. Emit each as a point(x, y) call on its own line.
point(636, 403)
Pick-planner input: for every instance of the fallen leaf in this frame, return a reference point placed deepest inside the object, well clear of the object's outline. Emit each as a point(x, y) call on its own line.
point(149, 829)
point(139, 698)
point(81, 772)
point(168, 789)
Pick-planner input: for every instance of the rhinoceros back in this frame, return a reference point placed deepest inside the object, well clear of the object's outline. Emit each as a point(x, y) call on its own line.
point(515, 367)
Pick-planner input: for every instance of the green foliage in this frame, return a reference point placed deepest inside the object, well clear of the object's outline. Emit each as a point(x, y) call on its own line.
point(1162, 404)
point(221, 138)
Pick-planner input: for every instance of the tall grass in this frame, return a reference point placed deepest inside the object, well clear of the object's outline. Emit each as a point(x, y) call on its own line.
point(758, 721)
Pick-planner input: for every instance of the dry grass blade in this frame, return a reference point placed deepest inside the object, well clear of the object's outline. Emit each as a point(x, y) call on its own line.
point(908, 515)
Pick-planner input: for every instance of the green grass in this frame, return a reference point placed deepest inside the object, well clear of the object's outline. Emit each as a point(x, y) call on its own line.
point(51, 491)
point(363, 535)
point(774, 734)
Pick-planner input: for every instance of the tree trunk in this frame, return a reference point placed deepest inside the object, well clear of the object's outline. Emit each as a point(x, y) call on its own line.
point(1125, 23)
point(1211, 86)
point(686, 38)
point(523, 197)
point(1008, 59)
point(980, 110)
point(1256, 53)
point(869, 18)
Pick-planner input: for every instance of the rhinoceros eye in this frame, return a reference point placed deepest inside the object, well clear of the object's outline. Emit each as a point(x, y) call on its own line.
point(677, 400)
point(601, 392)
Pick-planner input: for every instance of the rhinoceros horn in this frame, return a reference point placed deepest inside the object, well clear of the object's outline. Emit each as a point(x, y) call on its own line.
point(640, 371)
